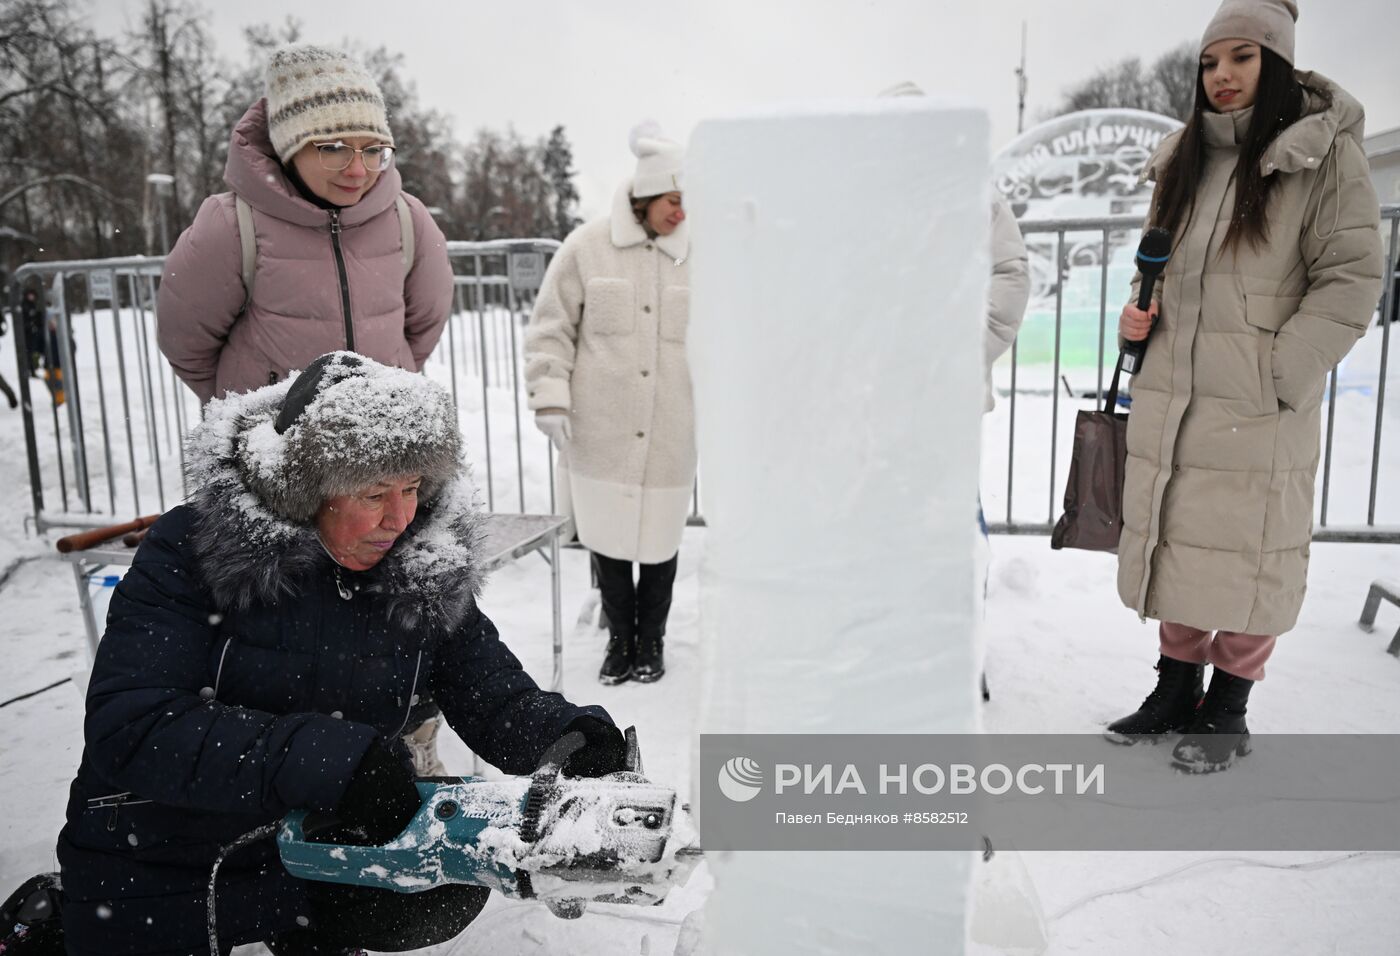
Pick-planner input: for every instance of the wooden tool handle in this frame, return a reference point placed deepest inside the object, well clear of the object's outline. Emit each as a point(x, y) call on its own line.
point(88, 539)
point(133, 538)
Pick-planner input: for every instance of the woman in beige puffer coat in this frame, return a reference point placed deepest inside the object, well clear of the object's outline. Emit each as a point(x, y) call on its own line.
point(608, 380)
point(1274, 275)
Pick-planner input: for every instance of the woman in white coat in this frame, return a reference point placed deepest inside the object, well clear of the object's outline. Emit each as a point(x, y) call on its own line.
point(608, 380)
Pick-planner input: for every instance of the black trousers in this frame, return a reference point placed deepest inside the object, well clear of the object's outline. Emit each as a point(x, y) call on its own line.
point(348, 918)
point(635, 609)
point(341, 920)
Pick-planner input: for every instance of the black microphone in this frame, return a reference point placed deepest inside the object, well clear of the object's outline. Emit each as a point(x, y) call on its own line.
point(1152, 255)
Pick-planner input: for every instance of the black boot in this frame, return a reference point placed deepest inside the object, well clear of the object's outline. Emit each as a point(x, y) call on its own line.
point(618, 661)
point(1168, 709)
point(650, 663)
point(1217, 734)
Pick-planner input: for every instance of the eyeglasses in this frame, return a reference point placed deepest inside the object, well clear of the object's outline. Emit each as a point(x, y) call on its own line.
point(338, 156)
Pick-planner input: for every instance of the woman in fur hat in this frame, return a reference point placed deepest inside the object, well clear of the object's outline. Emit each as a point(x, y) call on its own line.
point(263, 654)
point(608, 380)
point(1274, 274)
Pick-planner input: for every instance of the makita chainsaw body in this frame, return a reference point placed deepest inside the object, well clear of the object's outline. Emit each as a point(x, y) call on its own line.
point(563, 840)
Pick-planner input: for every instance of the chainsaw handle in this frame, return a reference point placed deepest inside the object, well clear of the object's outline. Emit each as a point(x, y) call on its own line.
point(558, 753)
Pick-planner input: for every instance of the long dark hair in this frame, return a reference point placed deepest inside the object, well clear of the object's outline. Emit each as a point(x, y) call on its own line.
point(1277, 106)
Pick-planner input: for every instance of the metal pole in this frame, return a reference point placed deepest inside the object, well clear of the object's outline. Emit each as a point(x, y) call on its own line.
point(155, 373)
point(68, 375)
point(58, 455)
point(485, 399)
point(515, 388)
point(557, 683)
point(1327, 457)
point(1022, 81)
point(1385, 356)
point(164, 225)
point(1055, 381)
point(1103, 313)
point(452, 352)
point(478, 346)
point(549, 460)
point(142, 373)
point(150, 403)
point(82, 573)
point(179, 396)
point(26, 403)
point(126, 414)
point(1011, 434)
point(102, 409)
point(502, 314)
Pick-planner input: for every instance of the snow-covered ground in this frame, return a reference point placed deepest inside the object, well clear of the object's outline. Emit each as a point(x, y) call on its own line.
point(1062, 656)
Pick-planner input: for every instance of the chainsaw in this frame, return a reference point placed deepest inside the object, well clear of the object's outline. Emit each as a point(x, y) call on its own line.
point(564, 841)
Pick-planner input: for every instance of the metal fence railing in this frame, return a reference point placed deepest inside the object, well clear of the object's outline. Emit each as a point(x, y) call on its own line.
point(1097, 247)
point(104, 443)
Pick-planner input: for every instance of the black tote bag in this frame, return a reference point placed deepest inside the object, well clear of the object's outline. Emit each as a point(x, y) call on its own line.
point(1093, 517)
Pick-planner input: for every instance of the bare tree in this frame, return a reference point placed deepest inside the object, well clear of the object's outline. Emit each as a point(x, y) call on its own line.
point(64, 132)
point(84, 118)
point(173, 64)
point(1178, 71)
point(1167, 87)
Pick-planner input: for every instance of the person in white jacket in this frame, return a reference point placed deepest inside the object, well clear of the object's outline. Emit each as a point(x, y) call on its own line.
point(1010, 288)
point(1008, 293)
point(607, 377)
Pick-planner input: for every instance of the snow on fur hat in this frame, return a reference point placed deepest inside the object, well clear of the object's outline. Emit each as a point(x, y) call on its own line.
point(316, 93)
point(1268, 23)
point(659, 161)
point(346, 423)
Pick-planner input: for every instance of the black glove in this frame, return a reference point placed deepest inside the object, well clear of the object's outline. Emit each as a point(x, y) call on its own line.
point(602, 751)
point(378, 803)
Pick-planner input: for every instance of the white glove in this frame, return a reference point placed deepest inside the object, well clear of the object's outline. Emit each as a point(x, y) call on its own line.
point(556, 426)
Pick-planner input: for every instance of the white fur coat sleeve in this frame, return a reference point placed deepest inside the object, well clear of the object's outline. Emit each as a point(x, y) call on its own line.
point(551, 342)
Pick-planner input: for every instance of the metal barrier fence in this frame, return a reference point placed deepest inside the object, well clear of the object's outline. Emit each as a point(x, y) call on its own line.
point(1110, 233)
point(88, 470)
point(104, 439)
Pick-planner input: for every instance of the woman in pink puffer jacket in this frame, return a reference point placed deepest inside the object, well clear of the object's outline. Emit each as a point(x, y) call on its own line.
point(314, 164)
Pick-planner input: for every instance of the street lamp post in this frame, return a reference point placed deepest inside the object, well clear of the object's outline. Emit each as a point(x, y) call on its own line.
point(158, 183)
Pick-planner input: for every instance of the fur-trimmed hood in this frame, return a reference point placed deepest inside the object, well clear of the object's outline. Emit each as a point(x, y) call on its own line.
point(250, 554)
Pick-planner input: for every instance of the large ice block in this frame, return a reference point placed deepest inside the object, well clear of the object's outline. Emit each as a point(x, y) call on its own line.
point(839, 276)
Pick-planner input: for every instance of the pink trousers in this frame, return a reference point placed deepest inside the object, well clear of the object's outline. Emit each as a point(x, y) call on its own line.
point(1240, 654)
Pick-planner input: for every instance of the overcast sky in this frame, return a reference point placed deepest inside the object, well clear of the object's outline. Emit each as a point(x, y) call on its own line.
point(599, 66)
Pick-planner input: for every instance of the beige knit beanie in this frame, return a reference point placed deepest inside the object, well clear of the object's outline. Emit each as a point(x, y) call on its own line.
point(1268, 23)
point(316, 93)
point(659, 161)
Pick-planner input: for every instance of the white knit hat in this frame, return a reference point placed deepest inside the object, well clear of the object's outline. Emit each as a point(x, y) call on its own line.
point(659, 161)
point(1268, 23)
point(316, 93)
